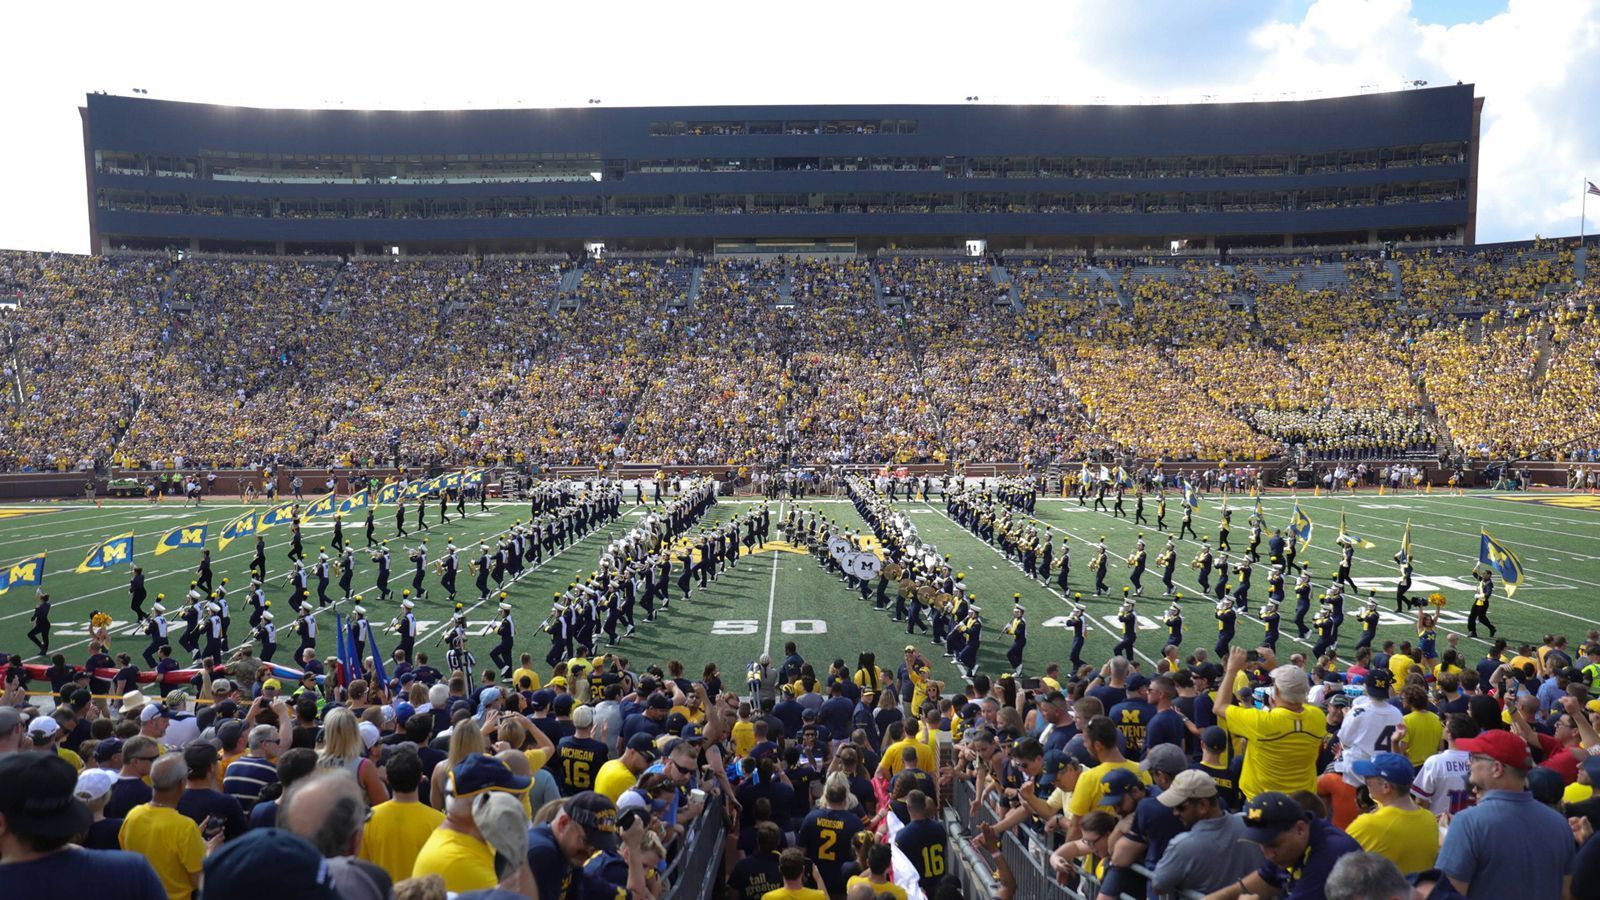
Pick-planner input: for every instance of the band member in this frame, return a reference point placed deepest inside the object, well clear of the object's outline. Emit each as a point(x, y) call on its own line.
point(1347, 555)
point(371, 528)
point(1272, 619)
point(297, 588)
point(1167, 560)
point(1076, 622)
point(190, 616)
point(156, 627)
point(1173, 620)
point(507, 629)
point(347, 570)
point(1161, 512)
point(419, 561)
point(214, 639)
point(1302, 601)
point(1130, 630)
point(381, 557)
point(136, 594)
point(1480, 602)
point(1223, 528)
point(203, 571)
point(338, 532)
point(400, 519)
point(1227, 618)
point(1327, 632)
point(967, 659)
point(1018, 629)
point(447, 576)
point(408, 629)
point(1202, 563)
point(1136, 562)
point(1098, 564)
point(320, 570)
point(306, 626)
point(258, 562)
point(40, 634)
point(297, 550)
point(1065, 571)
point(481, 569)
point(360, 632)
point(266, 634)
point(1138, 508)
point(1368, 617)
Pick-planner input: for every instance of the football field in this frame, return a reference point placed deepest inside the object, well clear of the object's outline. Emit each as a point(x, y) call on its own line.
point(780, 594)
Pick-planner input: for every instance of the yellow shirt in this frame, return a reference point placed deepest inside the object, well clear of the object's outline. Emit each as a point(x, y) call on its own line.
point(888, 887)
point(532, 676)
point(170, 841)
point(1282, 753)
point(744, 738)
point(1442, 669)
point(536, 759)
point(613, 779)
point(1424, 731)
point(1086, 797)
point(1400, 664)
point(1409, 838)
point(795, 894)
point(395, 835)
point(464, 862)
point(894, 756)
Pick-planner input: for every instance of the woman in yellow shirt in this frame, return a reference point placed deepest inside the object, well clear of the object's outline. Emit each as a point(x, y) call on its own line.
point(877, 861)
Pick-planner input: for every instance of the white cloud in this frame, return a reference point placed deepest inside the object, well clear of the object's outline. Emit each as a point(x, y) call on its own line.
point(1536, 63)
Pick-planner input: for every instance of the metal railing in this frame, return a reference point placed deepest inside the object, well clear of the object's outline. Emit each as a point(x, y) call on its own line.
point(695, 872)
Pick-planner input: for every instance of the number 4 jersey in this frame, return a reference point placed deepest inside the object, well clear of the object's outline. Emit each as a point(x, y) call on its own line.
point(1365, 732)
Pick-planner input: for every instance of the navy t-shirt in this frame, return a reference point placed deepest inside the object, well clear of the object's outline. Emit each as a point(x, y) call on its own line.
point(754, 876)
point(126, 793)
point(828, 837)
point(924, 843)
point(1306, 882)
point(223, 810)
point(74, 872)
point(1166, 727)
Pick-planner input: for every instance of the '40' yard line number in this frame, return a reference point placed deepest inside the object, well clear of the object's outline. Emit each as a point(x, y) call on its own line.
point(750, 626)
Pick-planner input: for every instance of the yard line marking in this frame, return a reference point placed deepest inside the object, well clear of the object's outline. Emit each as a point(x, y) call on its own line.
point(772, 593)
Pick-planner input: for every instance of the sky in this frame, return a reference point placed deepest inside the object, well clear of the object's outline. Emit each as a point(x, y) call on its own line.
point(1536, 61)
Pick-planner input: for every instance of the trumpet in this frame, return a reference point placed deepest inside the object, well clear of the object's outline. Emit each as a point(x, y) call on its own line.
point(394, 626)
point(438, 567)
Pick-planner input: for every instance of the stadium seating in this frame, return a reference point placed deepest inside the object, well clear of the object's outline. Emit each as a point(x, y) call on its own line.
point(147, 360)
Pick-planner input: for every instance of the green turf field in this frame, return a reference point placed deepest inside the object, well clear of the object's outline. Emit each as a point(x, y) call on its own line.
point(779, 595)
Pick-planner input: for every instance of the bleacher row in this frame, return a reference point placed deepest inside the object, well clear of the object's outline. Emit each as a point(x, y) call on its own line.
point(146, 360)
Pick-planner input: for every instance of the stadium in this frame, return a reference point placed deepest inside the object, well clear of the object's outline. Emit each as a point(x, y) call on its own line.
point(1013, 389)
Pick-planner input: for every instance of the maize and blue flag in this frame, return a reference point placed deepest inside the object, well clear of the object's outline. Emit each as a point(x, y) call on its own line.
point(1346, 537)
point(1260, 516)
point(281, 514)
point(389, 493)
point(1404, 556)
point(109, 552)
point(346, 650)
point(182, 536)
point(1300, 525)
point(244, 526)
point(1502, 560)
point(377, 660)
point(472, 479)
point(356, 502)
point(321, 507)
point(1191, 495)
point(29, 571)
point(450, 480)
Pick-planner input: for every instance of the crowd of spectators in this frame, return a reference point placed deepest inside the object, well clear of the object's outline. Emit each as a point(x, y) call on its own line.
point(145, 361)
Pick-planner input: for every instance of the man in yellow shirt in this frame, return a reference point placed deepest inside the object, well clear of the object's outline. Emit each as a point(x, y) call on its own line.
point(1284, 739)
point(457, 850)
point(169, 840)
point(525, 670)
point(902, 735)
point(1399, 829)
point(617, 775)
point(1401, 662)
point(792, 865)
point(400, 826)
point(1100, 737)
point(1424, 729)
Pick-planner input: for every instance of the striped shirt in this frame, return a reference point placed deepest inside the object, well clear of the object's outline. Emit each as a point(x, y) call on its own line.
point(246, 777)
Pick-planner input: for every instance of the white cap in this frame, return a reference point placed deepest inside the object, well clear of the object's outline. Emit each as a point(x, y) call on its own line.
point(406, 604)
point(266, 616)
point(360, 610)
point(150, 711)
point(94, 784)
point(44, 725)
point(505, 607)
point(158, 609)
point(369, 734)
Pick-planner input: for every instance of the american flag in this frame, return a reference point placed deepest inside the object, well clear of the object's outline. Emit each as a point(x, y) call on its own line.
point(1592, 189)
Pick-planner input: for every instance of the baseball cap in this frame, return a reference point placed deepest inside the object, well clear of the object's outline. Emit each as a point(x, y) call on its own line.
point(1056, 762)
point(598, 816)
point(644, 746)
point(111, 747)
point(1341, 700)
point(94, 784)
point(1502, 746)
point(1118, 782)
point(1208, 670)
point(369, 734)
point(1136, 682)
point(44, 726)
point(1190, 784)
point(1166, 758)
point(272, 684)
point(1269, 814)
point(1591, 765)
point(1379, 681)
point(269, 863)
point(489, 695)
point(541, 699)
point(478, 773)
point(692, 732)
point(559, 681)
point(583, 717)
point(1214, 737)
point(150, 711)
point(37, 796)
point(1391, 767)
point(562, 705)
point(660, 701)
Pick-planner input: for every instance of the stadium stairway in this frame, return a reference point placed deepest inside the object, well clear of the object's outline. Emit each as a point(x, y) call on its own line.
point(333, 287)
point(1396, 283)
point(1002, 278)
point(693, 294)
point(877, 286)
point(1116, 285)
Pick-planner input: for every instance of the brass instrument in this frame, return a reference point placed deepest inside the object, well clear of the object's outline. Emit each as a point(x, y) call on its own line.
point(925, 594)
point(893, 571)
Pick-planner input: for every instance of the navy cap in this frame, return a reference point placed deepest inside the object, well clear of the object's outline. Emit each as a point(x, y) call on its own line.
point(643, 745)
point(660, 701)
point(1214, 737)
point(1056, 762)
point(1269, 814)
point(1391, 767)
point(111, 747)
point(478, 773)
point(1117, 783)
point(598, 816)
point(562, 705)
point(1378, 682)
point(1545, 785)
point(541, 699)
point(268, 863)
point(764, 750)
point(1591, 765)
point(1136, 682)
point(692, 732)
